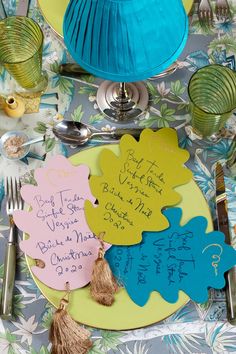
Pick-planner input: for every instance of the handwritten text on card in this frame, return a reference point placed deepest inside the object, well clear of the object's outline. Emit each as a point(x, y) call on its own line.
point(58, 232)
point(136, 186)
point(178, 258)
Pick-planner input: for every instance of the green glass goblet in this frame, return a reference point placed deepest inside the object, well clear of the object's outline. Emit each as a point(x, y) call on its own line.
point(21, 47)
point(212, 93)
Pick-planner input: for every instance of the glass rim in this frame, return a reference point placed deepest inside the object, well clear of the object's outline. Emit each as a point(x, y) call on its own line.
point(191, 100)
point(28, 20)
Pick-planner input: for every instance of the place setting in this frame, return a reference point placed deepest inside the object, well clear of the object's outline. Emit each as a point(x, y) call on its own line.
point(118, 179)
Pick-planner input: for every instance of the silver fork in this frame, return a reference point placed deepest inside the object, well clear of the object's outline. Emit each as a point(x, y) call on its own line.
point(13, 202)
point(205, 13)
point(222, 10)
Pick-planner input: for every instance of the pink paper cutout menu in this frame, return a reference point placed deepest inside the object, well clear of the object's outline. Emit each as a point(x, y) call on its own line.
point(56, 224)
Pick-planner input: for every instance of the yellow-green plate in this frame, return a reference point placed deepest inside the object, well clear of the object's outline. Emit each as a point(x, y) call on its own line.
point(54, 10)
point(124, 314)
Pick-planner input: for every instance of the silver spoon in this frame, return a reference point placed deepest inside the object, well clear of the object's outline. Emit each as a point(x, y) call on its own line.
point(76, 133)
point(71, 132)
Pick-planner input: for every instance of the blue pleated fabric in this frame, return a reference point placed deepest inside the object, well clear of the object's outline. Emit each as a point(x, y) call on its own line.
point(125, 40)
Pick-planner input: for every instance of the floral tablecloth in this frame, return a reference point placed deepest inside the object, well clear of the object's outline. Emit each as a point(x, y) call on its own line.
point(195, 328)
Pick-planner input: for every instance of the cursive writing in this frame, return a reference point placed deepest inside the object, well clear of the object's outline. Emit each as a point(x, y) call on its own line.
point(216, 257)
point(72, 255)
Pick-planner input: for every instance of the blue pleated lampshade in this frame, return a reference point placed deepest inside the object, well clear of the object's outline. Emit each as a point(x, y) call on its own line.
point(125, 40)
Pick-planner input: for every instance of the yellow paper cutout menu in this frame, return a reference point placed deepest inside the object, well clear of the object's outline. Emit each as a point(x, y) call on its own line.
point(136, 186)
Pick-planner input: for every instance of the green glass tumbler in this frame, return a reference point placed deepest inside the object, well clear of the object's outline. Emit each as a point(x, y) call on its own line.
point(212, 93)
point(21, 47)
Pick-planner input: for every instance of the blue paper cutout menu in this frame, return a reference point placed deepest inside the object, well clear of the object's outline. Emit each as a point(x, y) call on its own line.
point(179, 258)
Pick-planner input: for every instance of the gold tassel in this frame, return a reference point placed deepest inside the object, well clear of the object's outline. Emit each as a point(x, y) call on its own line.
point(67, 336)
point(103, 285)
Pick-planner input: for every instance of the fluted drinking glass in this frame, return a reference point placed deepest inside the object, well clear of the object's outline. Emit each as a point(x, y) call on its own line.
point(212, 93)
point(21, 47)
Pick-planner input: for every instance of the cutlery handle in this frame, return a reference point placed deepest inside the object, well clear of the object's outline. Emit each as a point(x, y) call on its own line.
point(230, 291)
point(135, 132)
point(34, 141)
point(72, 71)
point(8, 281)
point(119, 132)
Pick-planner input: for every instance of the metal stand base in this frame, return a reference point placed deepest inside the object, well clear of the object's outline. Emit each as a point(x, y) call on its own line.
point(122, 102)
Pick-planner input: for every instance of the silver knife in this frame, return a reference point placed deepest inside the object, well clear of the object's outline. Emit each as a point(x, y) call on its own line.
point(22, 8)
point(223, 226)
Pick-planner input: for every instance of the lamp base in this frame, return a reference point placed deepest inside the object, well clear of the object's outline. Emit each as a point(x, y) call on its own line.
point(122, 102)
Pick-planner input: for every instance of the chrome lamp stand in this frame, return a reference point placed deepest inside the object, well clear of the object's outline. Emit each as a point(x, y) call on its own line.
point(122, 102)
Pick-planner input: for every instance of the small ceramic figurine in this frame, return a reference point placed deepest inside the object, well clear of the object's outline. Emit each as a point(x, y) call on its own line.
point(14, 107)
